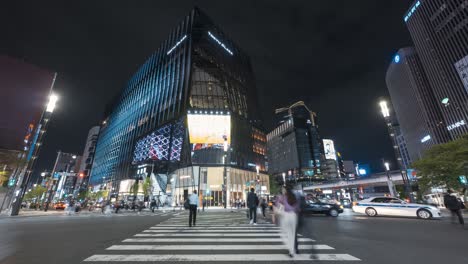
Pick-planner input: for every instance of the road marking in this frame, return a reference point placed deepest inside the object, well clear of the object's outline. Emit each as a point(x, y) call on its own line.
point(211, 230)
point(222, 257)
point(214, 247)
point(213, 240)
point(212, 234)
point(227, 225)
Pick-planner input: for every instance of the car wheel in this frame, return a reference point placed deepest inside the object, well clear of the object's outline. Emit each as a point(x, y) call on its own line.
point(371, 211)
point(333, 213)
point(424, 214)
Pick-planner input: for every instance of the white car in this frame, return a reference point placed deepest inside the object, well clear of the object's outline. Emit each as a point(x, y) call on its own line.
point(395, 207)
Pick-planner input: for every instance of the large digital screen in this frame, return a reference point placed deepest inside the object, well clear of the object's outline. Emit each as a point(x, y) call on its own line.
point(209, 128)
point(165, 143)
point(329, 149)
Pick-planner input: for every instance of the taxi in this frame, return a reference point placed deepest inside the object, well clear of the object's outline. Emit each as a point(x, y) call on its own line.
point(391, 206)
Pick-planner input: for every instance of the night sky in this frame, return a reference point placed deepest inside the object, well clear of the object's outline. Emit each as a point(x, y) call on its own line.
point(331, 54)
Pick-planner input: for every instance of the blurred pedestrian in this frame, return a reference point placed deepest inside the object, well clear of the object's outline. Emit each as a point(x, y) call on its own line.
point(455, 206)
point(193, 203)
point(252, 204)
point(263, 205)
point(287, 210)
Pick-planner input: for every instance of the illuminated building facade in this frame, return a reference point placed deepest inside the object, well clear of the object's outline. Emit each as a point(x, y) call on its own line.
point(189, 116)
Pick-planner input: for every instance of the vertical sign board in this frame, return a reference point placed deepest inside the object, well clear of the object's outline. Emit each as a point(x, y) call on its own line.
point(329, 149)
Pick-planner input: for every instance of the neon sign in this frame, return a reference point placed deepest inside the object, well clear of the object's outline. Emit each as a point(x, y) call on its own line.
point(457, 124)
point(412, 10)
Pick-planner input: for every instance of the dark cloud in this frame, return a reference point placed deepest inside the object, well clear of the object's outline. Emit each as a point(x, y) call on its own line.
point(331, 54)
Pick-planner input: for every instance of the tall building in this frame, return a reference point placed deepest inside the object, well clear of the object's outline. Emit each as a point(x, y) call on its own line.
point(419, 117)
point(294, 147)
point(440, 35)
point(188, 118)
point(87, 158)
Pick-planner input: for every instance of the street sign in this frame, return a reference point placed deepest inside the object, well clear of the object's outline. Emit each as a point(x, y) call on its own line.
point(462, 179)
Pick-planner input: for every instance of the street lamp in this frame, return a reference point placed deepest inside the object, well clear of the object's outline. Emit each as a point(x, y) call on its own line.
point(391, 187)
point(385, 110)
point(52, 102)
point(225, 148)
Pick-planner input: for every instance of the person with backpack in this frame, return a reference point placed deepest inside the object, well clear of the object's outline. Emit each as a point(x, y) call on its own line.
point(252, 204)
point(193, 204)
point(455, 206)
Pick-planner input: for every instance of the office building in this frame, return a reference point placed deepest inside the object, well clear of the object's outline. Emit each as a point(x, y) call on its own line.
point(440, 36)
point(87, 159)
point(188, 118)
point(294, 147)
point(419, 117)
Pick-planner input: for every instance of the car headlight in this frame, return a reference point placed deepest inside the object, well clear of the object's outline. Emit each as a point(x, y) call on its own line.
point(341, 207)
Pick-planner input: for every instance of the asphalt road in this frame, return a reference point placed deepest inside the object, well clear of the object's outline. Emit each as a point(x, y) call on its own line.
point(225, 237)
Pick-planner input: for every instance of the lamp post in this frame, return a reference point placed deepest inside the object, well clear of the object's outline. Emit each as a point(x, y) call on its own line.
point(225, 156)
point(391, 187)
point(385, 110)
point(25, 178)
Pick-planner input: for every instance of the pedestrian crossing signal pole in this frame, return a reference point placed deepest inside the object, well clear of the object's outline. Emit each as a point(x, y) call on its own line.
point(225, 147)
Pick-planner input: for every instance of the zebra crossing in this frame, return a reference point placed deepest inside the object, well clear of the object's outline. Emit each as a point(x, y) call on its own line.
point(218, 236)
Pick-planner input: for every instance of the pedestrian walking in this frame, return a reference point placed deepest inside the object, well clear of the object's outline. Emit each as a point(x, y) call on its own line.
point(287, 210)
point(300, 218)
point(152, 204)
point(203, 204)
point(252, 204)
point(455, 206)
point(263, 205)
point(193, 204)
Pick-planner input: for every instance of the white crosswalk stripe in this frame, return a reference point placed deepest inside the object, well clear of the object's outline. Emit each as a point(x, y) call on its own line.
point(217, 237)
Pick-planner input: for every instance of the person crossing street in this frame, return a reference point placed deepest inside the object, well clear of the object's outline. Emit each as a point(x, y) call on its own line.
point(252, 204)
point(193, 204)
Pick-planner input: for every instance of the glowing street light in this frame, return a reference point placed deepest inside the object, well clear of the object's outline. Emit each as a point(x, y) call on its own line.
point(52, 101)
point(387, 166)
point(384, 108)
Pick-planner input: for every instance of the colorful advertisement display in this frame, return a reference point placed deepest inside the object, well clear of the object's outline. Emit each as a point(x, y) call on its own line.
point(209, 128)
point(329, 149)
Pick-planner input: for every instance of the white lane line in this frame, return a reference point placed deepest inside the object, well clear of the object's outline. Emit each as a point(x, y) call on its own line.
point(211, 234)
point(227, 225)
point(213, 230)
point(223, 257)
point(212, 240)
point(210, 228)
point(214, 247)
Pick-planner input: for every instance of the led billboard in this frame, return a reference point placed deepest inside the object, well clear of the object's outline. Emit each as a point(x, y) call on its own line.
point(209, 128)
point(329, 149)
point(165, 143)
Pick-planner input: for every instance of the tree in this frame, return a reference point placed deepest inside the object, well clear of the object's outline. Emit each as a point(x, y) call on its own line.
point(442, 164)
point(35, 193)
point(146, 186)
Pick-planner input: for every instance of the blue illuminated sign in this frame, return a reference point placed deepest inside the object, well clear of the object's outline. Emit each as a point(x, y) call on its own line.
point(412, 10)
point(176, 45)
point(220, 43)
point(397, 58)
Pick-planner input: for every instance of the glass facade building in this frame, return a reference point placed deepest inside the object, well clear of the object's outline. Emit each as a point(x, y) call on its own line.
point(295, 149)
point(439, 30)
point(192, 97)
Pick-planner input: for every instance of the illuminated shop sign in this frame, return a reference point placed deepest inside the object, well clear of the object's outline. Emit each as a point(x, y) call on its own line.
point(457, 124)
point(329, 148)
point(412, 10)
point(220, 43)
